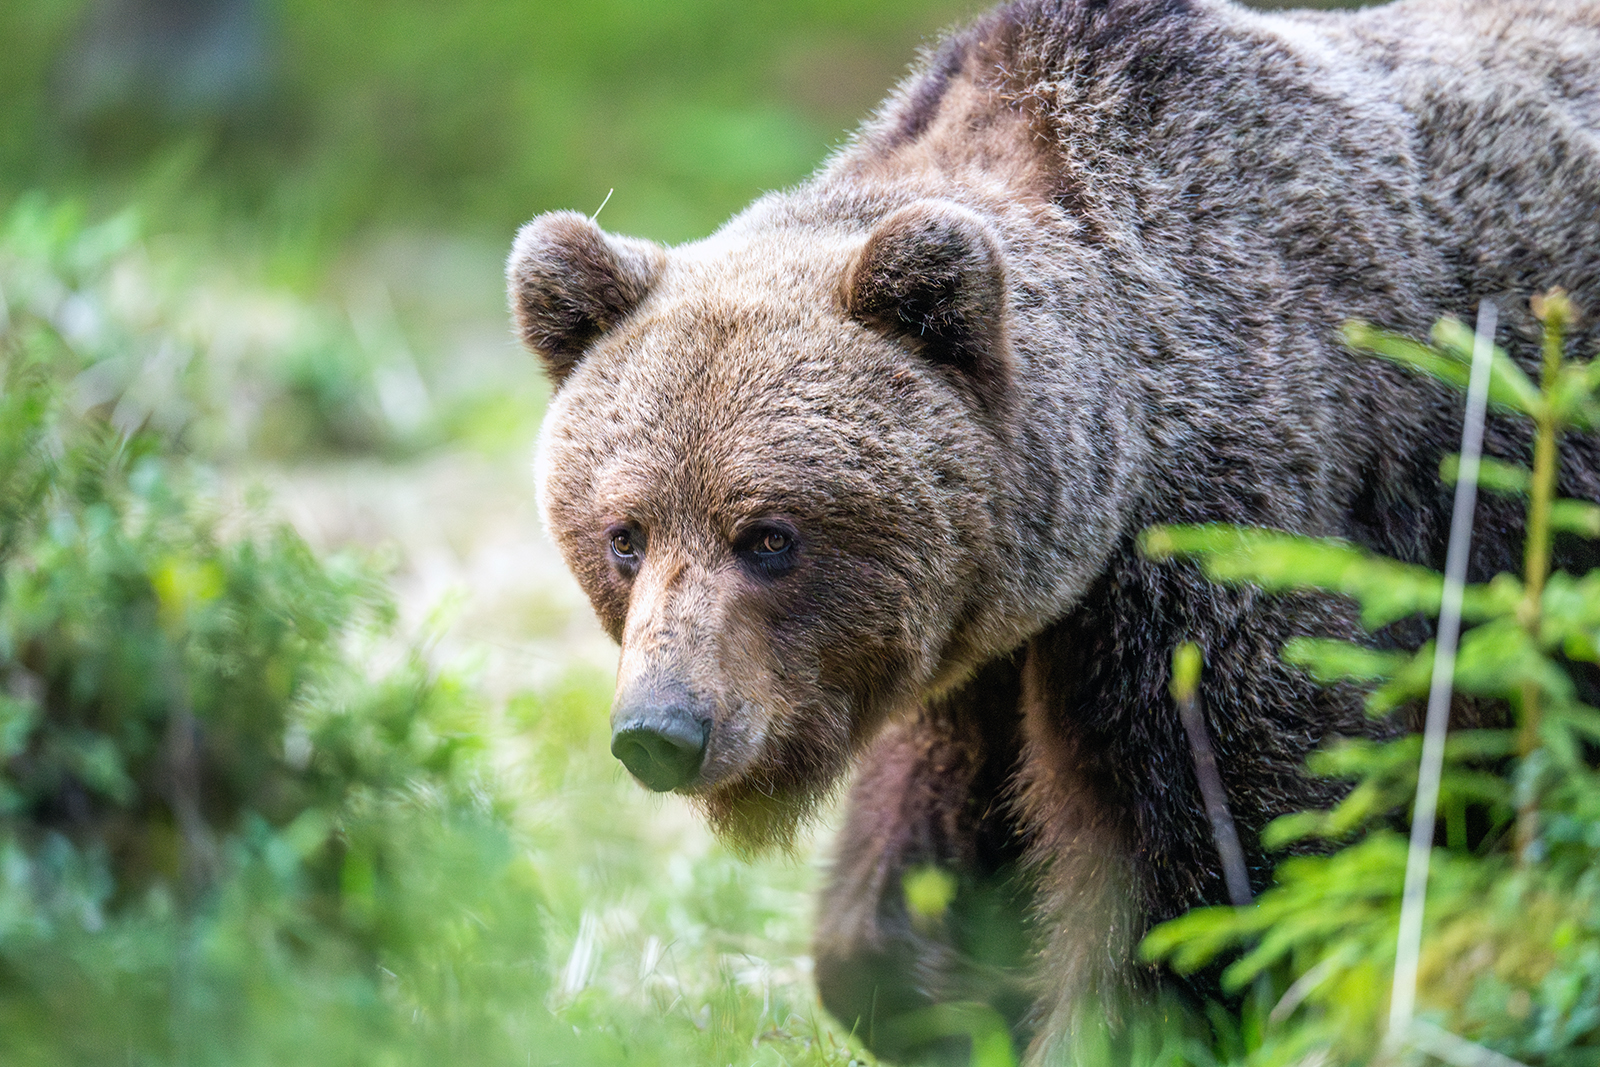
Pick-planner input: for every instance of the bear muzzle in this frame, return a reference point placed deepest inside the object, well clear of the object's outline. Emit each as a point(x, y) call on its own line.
point(662, 743)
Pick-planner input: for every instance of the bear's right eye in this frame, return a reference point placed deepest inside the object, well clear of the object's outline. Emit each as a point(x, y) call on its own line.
point(624, 546)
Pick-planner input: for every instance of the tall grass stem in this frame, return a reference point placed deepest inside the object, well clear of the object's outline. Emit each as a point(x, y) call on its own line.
point(1408, 947)
point(1536, 559)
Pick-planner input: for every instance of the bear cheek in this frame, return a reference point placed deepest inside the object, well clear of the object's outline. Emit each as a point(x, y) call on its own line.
point(610, 602)
point(856, 626)
point(760, 662)
point(607, 591)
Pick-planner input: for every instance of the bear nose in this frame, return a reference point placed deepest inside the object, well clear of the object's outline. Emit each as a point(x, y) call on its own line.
point(662, 747)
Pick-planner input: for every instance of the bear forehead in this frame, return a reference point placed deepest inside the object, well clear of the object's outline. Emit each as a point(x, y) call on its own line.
point(735, 410)
point(682, 454)
point(700, 371)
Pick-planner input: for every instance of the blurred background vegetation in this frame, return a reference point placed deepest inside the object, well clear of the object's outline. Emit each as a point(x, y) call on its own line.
point(302, 726)
point(315, 121)
point(312, 122)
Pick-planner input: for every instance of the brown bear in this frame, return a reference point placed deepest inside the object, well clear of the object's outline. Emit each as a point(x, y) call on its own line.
point(857, 480)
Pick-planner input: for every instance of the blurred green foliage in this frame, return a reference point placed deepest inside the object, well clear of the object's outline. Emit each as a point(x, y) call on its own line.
point(243, 820)
point(1511, 949)
point(172, 342)
point(176, 714)
point(217, 830)
point(480, 114)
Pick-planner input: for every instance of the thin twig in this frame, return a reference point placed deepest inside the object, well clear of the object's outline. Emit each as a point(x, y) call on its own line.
point(1186, 689)
point(199, 858)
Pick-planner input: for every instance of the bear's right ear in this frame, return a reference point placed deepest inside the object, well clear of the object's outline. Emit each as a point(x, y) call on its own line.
point(569, 282)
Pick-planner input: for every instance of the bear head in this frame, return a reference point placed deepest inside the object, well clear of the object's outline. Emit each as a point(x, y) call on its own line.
point(779, 462)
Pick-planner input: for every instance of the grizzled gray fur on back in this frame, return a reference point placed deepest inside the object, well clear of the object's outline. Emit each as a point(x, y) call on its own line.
point(856, 480)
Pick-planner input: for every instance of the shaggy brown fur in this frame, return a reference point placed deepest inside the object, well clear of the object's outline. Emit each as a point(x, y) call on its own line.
point(1081, 274)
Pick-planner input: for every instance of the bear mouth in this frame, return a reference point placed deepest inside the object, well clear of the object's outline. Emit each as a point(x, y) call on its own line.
point(752, 816)
point(764, 804)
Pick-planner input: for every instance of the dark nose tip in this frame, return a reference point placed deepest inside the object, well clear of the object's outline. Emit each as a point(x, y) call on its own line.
point(662, 747)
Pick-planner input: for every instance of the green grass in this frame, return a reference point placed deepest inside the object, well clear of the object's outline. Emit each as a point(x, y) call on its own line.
point(665, 947)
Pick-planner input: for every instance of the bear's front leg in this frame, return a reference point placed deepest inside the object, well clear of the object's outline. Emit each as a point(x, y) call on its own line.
point(932, 800)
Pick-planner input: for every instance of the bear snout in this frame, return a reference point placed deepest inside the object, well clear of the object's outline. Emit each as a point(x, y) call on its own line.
point(661, 741)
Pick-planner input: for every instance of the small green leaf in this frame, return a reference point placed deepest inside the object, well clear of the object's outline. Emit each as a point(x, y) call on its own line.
point(1575, 517)
point(1508, 385)
point(1287, 829)
point(1572, 397)
point(1493, 474)
point(1450, 362)
point(929, 890)
point(1582, 646)
point(1328, 660)
point(1386, 589)
point(1406, 352)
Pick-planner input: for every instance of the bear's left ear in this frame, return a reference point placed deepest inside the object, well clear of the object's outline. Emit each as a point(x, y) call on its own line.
point(931, 274)
point(569, 282)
